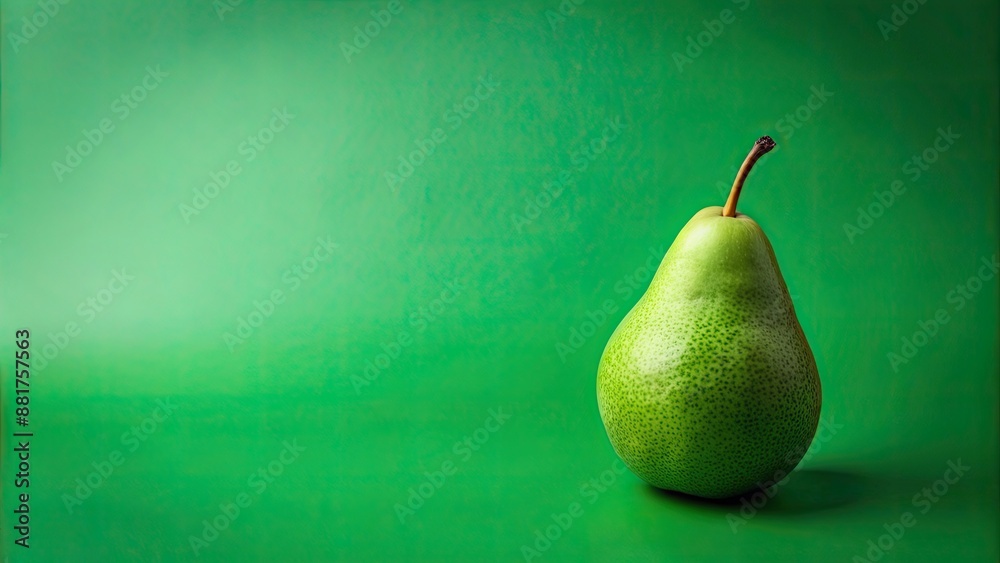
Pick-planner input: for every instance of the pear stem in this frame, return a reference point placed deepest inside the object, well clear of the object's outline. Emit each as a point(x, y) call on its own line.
point(760, 148)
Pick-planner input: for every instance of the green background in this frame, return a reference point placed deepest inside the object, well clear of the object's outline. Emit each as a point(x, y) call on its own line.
point(527, 284)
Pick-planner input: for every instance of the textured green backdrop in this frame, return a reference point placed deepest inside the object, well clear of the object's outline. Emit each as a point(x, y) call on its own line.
point(375, 335)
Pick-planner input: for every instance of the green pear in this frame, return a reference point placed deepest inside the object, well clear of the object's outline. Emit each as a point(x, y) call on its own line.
point(708, 386)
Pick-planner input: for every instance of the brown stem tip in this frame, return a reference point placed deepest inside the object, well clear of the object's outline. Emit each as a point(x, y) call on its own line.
point(760, 148)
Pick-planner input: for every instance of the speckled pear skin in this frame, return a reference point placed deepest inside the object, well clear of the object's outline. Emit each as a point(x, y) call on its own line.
point(708, 386)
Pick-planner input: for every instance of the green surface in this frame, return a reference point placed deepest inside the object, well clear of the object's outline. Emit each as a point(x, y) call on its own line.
point(485, 300)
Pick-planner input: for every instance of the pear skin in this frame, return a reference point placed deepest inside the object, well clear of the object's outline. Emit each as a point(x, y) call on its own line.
point(708, 386)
